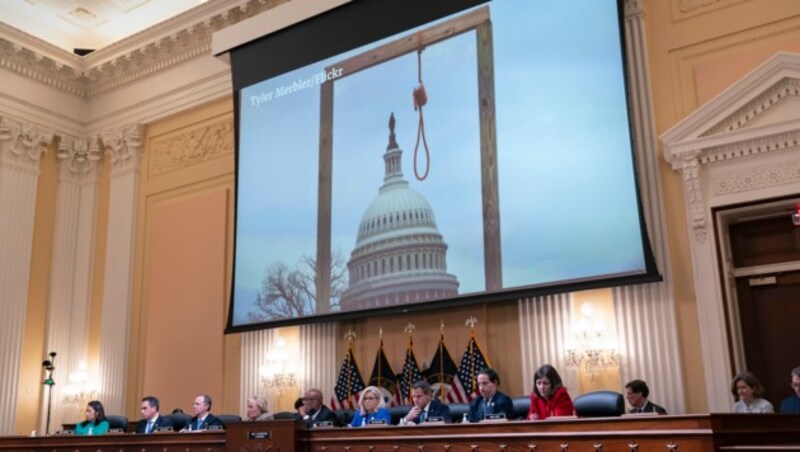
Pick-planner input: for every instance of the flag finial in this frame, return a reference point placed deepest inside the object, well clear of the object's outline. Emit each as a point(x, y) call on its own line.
point(410, 328)
point(441, 326)
point(380, 332)
point(350, 335)
point(471, 322)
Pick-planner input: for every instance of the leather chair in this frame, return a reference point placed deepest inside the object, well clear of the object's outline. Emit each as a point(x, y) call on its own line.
point(458, 411)
point(345, 416)
point(229, 419)
point(522, 405)
point(284, 415)
point(599, 404)
point(399, 412)
point(179, 420)
point(117, 421)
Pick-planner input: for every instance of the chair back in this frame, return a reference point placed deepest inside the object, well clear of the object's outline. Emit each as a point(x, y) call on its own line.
point(522, 405)
point(227, 419)
point(179, 420)
point(458, 411)
point(117, 421)
point(599, 404)
point(284, 415)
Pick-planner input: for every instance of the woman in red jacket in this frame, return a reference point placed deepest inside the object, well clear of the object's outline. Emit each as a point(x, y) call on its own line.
point(549, 398)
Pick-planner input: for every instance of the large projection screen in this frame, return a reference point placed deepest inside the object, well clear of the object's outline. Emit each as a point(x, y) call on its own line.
point(400, 156)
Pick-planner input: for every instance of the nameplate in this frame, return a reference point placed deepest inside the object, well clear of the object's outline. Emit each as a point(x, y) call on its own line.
point(495, 417)
point(216, 427)
point(434, 420)
point(164, 429)
point(65, 432)
point(377, 422)
point(259, 435)
point(323, 424)
point(115, 430)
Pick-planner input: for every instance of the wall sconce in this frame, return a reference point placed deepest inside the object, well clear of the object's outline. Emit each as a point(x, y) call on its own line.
point(80, 389)
point(589, 349)
point(278, 371)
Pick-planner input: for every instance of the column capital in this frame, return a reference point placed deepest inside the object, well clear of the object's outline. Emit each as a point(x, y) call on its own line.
point(23, 143)
point(79, 158)
point(124, 146)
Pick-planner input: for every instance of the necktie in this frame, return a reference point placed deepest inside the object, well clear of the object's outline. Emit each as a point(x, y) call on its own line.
point(199, 423)
point(149, 428)
point(422, 416)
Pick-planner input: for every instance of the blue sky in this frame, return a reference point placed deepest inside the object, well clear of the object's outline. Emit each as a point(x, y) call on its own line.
point(567, 200)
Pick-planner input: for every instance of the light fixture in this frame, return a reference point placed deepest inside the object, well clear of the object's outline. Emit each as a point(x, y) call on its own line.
point(278, 371)
point(80, 388)
point(589, 349)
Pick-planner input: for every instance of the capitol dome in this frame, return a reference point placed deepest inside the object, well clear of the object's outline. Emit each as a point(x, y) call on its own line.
point(400, 256)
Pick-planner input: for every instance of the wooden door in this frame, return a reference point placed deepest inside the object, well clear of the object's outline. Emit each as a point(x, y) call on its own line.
point(769, 305)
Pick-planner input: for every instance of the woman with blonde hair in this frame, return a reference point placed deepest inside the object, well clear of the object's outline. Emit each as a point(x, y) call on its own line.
point(371, 407)
point(258, 409)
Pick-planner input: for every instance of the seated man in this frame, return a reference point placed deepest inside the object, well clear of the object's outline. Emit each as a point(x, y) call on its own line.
point(152, 420)
point(424, 407)
point(636, 391)
point(203, 419)
point(791, 404)
point(491, 401)
point(314, 411)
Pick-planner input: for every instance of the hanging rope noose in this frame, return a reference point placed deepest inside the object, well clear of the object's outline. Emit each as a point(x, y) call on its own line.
point(420, 99)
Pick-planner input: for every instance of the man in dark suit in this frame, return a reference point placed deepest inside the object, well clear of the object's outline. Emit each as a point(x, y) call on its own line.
point(152, 419)
point(491, 401)
point(636, 391)
point(314, 411)
point(203, 419)
point(424, 407)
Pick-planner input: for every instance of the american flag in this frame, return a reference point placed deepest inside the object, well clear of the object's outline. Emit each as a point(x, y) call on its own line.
point(465, 386)
point(411, 374)
point(384, 378)
point(348, 385)
point(441, 372)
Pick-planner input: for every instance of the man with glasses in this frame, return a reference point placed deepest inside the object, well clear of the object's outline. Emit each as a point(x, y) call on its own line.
point(791, 404)
point(315, 411)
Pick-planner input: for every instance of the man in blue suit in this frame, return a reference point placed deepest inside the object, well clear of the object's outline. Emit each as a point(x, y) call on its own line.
point(791, 404)
point(152, 419)
point(425, 407)
point(491, 401)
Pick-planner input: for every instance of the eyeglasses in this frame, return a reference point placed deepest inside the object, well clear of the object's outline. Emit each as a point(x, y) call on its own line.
point(370, 398)
point(795, 385)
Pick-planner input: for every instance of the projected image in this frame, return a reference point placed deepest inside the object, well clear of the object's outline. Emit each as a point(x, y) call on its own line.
point(485, 152)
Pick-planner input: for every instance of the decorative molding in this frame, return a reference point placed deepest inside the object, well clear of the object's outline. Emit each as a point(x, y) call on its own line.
point(124, 146)
point(686, 6)
point(193, 146)
point(172, 42)
point(690, 170)
point(751, 147)
point(24, 142)
point(79, 157)
point(755, 178)
point(785, 88)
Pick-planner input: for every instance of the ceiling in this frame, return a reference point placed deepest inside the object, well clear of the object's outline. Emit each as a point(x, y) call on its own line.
point(88, 24)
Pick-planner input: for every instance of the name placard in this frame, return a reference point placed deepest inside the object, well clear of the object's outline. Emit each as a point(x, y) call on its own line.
point(259, 435)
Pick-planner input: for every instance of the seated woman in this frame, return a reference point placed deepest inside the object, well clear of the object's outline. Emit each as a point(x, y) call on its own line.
point(371, 407)
point(549, 397)
point(95, 423)
point(747, 390)
point(257, 409)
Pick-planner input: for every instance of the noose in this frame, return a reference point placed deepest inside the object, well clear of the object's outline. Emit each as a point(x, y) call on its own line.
point(420, 99)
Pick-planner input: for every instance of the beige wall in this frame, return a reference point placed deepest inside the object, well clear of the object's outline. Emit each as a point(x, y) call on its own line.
point(697, 49)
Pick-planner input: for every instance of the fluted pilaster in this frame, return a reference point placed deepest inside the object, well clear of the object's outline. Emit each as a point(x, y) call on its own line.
point(71, 270)
point(255, 345)
point(544, 324)
point(318, 357)
point(21, 147)
point(124, 147)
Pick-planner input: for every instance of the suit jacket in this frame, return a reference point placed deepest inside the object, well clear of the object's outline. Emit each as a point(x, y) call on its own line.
point(324, 415)
point(649, 407)
point(382, 414)
point(436, 409)
point(790, 405)
point(558, 405)
point(161, 421)
point(205, 423)
point(500, 403)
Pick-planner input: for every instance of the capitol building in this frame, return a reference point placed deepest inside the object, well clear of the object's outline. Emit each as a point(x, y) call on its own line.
point(400, 257)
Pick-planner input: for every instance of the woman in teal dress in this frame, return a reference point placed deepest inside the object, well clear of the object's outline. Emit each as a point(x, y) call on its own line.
point(95, 423)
